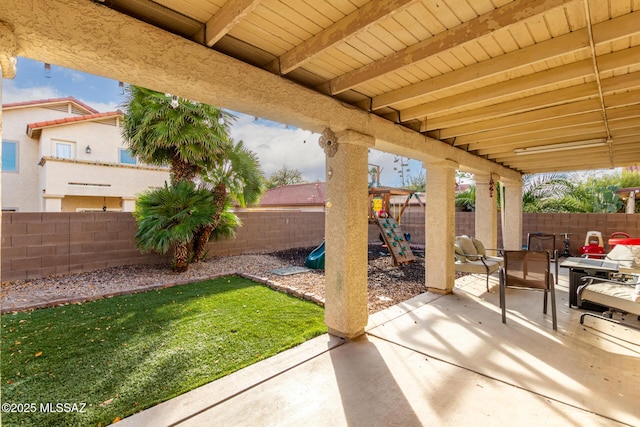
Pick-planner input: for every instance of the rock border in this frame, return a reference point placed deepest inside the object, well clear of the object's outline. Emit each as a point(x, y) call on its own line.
point(276, 286)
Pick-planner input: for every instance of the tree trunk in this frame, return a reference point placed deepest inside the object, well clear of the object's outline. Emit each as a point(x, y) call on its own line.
point(180, 257)
point(181, 170)
point(202, 236)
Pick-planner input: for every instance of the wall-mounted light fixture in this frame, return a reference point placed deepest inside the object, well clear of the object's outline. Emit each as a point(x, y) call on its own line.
point(87, 150)
point(560, 147)
point(492, 186)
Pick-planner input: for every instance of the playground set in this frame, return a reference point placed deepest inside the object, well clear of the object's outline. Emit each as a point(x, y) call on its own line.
point(388, 222)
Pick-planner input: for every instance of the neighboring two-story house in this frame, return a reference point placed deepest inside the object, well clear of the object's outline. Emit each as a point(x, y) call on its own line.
point(61, 155)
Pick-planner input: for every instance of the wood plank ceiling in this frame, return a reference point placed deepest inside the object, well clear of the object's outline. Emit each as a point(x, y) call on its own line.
point(537, 86)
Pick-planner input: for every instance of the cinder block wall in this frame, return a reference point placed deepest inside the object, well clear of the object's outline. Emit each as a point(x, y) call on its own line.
point(41, 244)
point(273, 231)
point(578, 225)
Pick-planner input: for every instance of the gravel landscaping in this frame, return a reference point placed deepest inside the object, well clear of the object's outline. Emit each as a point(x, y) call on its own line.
point(388, 285)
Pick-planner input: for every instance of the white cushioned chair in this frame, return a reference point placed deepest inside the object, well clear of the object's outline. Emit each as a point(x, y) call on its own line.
point(471, 257)
point(622, 295)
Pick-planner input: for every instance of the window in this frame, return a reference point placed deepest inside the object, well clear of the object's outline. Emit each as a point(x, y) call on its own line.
point(9, 156)
point(64, 150)
point(126, 157)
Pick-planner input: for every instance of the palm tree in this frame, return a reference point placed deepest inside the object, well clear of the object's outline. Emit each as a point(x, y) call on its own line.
point(541, 189)
point(467, 199)
point(194, 139)
point(168, 218)
point(238, 178)
point(163, 129)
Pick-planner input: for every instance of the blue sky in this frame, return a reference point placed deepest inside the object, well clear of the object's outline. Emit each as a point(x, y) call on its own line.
point(275, 144)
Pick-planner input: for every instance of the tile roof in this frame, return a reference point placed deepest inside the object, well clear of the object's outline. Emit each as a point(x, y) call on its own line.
point(32, 127)
point(65, 120)
point(44, 102)
point(295, 195)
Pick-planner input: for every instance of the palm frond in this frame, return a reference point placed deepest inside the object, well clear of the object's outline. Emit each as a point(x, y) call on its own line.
point(171, 215)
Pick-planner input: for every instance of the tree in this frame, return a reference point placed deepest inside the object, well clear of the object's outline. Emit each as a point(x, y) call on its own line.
point(467, 199)
point(169, 217)
point(402, 167)
point(193, 138)
point(162, 129)
point(238, 178)
point(541, 191)
point(284, 176)
point(417, 183)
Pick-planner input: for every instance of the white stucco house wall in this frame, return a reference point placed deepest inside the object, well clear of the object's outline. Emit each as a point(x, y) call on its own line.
point(61, 155)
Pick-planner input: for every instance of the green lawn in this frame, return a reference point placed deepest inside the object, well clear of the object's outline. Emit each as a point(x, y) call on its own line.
point(124, 354)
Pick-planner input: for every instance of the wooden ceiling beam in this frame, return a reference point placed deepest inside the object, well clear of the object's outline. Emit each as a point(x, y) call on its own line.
point(613, 101)
point(544, 100)
point(535, 116)
point(604, 32)
point(539, 80)
point(523, 130)
point(556, 136)
point(620, 128)
point(543, 137)
point(487, 23)
point(552, 122)
point(229, 15)
point(588, 156)
point(524, 57)
point(351, 25)
point(592, 158)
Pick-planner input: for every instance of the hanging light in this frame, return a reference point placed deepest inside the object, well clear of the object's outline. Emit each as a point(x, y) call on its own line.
point(121, 86)
point(47, 70)
point(220, 120)
point(174, 101)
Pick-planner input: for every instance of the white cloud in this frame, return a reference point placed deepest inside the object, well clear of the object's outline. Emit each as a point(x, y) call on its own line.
point(11, 93)
point(389, 174)
point(76, 77)
point(277, 147)
point(101, 106)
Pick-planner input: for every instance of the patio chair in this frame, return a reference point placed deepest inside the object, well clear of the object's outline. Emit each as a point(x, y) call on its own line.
point(545, 242)
point(528, 270)
point(471, 257)
point(619, 294)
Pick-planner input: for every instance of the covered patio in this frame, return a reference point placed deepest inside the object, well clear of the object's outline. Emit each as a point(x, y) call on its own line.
point(436, 361)
point(495, 88)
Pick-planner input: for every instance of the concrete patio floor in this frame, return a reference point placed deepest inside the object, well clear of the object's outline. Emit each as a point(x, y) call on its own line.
point(435, 361)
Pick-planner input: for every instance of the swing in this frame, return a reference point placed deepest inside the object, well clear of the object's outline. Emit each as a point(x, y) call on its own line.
point(407, 235)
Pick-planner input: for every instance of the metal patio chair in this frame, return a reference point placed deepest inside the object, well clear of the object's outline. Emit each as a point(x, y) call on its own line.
point(528, 270)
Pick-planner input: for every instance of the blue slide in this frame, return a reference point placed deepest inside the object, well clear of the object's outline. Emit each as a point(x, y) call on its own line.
point(315, 260)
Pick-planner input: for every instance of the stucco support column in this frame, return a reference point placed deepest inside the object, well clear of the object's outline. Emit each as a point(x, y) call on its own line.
point(512, 214)
point(440, 225)
point(486, 229)
point(346, 231)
